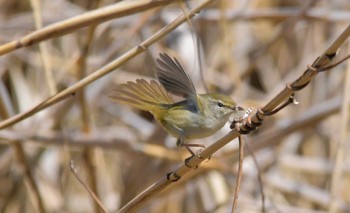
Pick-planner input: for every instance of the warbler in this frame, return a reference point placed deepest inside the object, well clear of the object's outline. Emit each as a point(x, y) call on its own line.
point(197, 116)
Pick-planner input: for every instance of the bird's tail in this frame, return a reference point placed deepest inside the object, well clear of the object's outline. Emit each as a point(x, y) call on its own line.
point(144, 95)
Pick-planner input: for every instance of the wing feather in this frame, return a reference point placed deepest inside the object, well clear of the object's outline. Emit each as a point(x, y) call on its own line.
point(143, 95)
point(173, 77)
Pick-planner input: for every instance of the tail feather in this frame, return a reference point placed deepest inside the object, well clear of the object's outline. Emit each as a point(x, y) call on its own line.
point(148, 96)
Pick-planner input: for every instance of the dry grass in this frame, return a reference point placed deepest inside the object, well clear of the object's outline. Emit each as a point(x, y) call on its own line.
point(251, 50)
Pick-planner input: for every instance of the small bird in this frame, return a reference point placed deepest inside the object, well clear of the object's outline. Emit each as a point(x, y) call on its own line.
point(197, 116)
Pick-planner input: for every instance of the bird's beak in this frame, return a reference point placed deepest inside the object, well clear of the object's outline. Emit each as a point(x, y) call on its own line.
point(237, 108)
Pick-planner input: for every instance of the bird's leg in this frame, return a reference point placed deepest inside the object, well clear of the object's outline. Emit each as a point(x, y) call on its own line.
point(181, 142)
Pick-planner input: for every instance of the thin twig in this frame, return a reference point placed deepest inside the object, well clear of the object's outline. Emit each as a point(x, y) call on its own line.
point(334, 64)
point(287, 126)
point(74, 170)
point(261, 186)
point(239, 174)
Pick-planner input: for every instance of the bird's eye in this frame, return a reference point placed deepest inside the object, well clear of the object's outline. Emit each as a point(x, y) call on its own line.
point(220, 104)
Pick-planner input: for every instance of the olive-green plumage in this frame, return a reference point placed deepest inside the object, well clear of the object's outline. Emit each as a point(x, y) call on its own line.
point(197, 116)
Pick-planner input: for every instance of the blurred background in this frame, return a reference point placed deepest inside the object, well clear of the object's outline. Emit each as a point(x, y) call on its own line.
point(247, 49)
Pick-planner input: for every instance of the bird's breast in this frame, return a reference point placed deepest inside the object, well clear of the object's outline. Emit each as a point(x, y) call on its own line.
point(190, 125)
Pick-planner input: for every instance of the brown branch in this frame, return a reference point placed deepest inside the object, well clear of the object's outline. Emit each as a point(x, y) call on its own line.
point(285, 127)
point(280, 14)
point(74, 170)
point(288, 126)
point(28, 174)
point(332, 65)
point(194, 161)
point(94, 17)
point(101, 139)
point(43, 48)
point(88, 152)
point(239, 174)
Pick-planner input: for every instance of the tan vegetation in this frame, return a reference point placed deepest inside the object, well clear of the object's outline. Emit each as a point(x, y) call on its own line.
point(62, 141)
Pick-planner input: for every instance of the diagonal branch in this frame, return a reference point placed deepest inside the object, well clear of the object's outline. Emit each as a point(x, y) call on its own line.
point(74, 170)
point(194, 161)
point(107, 68)
point(94, 17)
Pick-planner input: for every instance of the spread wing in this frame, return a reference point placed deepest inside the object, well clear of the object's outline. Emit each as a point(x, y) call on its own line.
point(173, 77)
point(148, 96)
